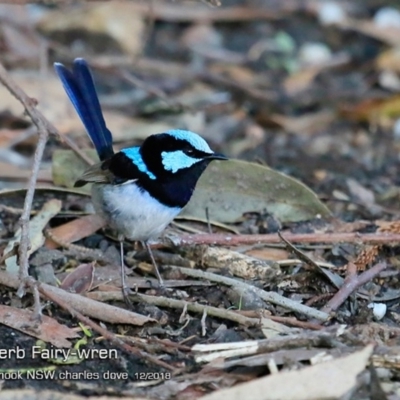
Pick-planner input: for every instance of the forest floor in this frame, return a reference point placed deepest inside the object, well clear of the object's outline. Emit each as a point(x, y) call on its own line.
point(269, 279)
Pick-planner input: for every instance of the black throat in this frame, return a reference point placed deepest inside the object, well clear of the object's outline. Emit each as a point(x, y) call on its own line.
point(175, 190)
point(170, 189)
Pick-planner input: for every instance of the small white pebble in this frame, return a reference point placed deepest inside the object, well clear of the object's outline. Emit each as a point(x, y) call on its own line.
point(387, 17)
point(378, 309)
point(330, 12)
point(314, 53)
point(389, 80)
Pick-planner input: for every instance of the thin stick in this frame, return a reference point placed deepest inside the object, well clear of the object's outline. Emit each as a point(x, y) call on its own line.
point(77, 304)
point(24, 220)
point(43, 130)
point(270, 297)
point(161, 301)
point(104, 332)
point(291, 321)
point(232, 240)
point(352, 283)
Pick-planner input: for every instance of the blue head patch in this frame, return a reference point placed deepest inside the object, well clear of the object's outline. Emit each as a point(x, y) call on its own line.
point(193, 138)
point(134, 154)
point(175, 160)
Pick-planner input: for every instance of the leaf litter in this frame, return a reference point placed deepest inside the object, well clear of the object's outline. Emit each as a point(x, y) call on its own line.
point(320, 147)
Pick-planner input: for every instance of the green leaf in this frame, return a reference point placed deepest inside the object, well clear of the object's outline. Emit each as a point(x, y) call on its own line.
point(230, 188)
point(67, 167)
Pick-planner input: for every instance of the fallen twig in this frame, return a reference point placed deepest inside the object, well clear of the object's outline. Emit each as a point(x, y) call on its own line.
point(271, 297)
point(44, 128)
point(232, 240)
point(84, 305)
point(302, 256)
point(104, 332)
point(291, 321)
point(43, 131)
point(77, 305)
point(352, 283)
point(179, 304)
point(209, 352)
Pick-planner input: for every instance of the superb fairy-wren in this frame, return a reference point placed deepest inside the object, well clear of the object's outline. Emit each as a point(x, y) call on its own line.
point(139, 190)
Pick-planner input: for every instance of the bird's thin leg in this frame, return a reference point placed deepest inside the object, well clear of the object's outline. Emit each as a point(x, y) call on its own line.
point(153, 261)
point(125, 289)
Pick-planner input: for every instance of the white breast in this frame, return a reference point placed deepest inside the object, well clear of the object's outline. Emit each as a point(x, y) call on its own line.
point(131, 211)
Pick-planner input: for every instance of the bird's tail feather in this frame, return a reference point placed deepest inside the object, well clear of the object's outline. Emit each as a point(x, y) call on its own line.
point(79, 86)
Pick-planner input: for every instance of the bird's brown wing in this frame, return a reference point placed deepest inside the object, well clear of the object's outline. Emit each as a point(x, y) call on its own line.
point(97, 173)
point(116, 170)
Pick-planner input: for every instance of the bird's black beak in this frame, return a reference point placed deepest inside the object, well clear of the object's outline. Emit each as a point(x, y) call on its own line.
point(217, 156)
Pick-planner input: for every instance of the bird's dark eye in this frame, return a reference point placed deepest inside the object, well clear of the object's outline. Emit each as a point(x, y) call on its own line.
point(189, 152)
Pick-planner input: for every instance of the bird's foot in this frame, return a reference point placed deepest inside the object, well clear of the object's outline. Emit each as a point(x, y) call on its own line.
point(158, 288)
point(126, 294)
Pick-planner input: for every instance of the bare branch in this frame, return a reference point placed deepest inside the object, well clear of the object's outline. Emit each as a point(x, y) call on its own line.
point(233, 240)
point(43, 130)
point(352, 283)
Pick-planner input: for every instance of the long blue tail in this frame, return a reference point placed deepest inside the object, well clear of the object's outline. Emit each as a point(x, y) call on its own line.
point(80, 89)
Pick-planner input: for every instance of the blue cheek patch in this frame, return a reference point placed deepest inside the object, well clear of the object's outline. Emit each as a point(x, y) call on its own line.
point(193, 138)
point(175, 160)
point(134, 154)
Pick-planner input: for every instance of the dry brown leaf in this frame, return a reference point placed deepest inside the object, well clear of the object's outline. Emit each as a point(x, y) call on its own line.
point(101, 311)
point(308, 124)
point(53, 102)
point(389, 60)
point(303, 79)
point(74, 230)
point(237, 73)
point(325, 381)
point(45, 88)
point(80, 280)
point(300, 81)
point(364, 196)
point(116, 21)
point(374, 110)
point(36, 226)
point(388, 35)
point(49, 330)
